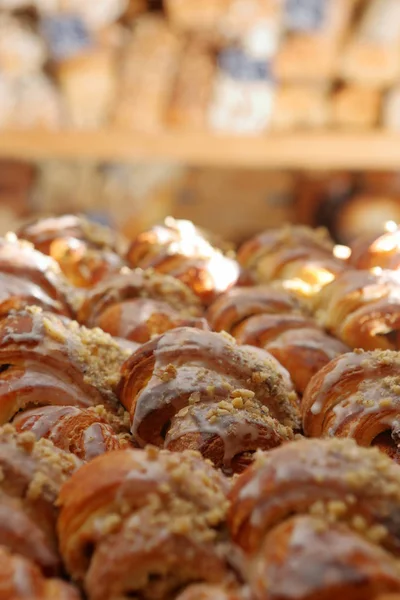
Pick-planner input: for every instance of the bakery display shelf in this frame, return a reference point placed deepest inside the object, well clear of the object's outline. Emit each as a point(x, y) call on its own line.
point(301, 150)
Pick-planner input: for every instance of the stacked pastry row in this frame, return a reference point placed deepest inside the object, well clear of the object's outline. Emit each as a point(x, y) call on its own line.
point(310, 519)
point(181, 344)
point(290, 306)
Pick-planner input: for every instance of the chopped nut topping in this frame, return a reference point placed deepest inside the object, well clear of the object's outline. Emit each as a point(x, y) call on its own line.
point(167, 374)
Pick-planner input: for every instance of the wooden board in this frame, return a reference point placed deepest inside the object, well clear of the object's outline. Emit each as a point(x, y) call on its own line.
point(325, 150)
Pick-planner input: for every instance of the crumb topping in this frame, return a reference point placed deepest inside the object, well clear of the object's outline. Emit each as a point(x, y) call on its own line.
point(334, 479)
point(47, 466)
point(98, 354)
point(184, 495)
point(167, 374)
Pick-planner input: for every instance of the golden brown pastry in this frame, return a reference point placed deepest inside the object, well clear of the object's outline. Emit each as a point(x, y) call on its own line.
point(20, 579)
point(17, 294)
point(87, 433)
point(258, 253)
point(180, 249)
point(357, 395)
point(305, 558)
point(137, 305)
point(364, 481)
point(196, 389)
point(30, 275)
point(32, 474)
point(42, 233)
point(295, 341)
point(362, 309)
point(144, 523)
point(85, 251)
point(227, 433)
point(47, 360)
point(271, 319)
point(319, 519)
point(377, 251)
point(236, 306)
point(297, 253)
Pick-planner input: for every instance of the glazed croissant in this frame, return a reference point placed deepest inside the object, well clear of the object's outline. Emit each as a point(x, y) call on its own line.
point(305, 558)
point(319, 519)
point(179, 249)
point(17, 294)
point(137, 305)
point(236, 306)
point(32, 474)
point(21, 579)
point(144, 523)
point(297, 254)
point(30, 277)
point(363, 309)
point(357, 395)
point(87, 433)
point(271, 319)
point(296, 342)
point(85, 251)
point(196, 389)
point(378, 251)
point(48, 360)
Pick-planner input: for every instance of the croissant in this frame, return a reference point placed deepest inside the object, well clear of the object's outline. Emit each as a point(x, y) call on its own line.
point(230, 395)
point(228, 433)
point(297, 254)
point(85, 251)
point(83, 432)
point(358, 396)
point(378, 251)
point(28, 274)
point(271, 319)
point(17, 294)
point(319, 519)
point(144, 523)
point(181, 250)
point(48, 360)
point(177, 232)
point(302, 351)
point(304, 558)
point(140, 304)
point(363, 309)
point(32, 474)
point(236, 306)
point(21, 579)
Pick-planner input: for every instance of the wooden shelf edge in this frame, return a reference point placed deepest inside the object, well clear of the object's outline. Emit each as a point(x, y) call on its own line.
point(303, 150)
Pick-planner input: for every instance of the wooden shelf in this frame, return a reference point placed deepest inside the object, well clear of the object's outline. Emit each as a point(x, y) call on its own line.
point(324, 150)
